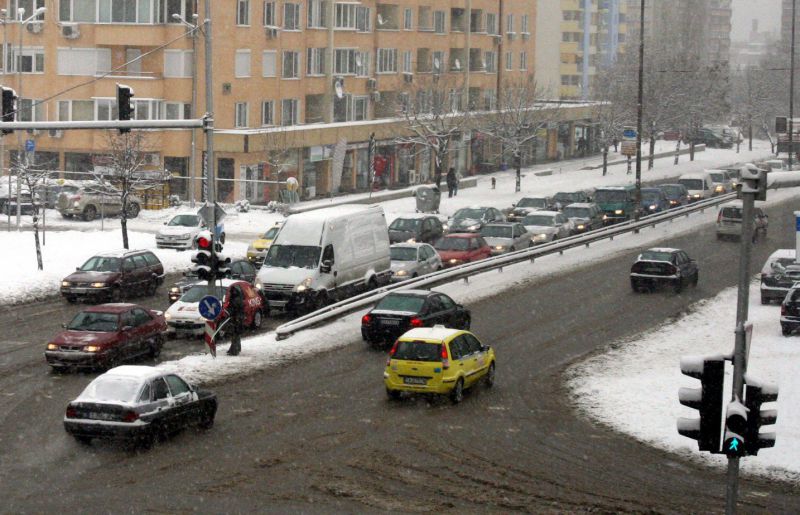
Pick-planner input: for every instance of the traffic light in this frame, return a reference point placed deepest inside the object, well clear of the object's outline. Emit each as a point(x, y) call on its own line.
point(9, 107)
point(124, 106)
point(222, 263)
point(756, 394)
point(707, 400)
point(735, 442)
point(753, 180)
point(204, 267)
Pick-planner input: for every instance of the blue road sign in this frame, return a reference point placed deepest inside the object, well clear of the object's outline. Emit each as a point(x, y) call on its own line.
point(30, 145)
point(629, 133)
point(797, 221)
point(210, 307)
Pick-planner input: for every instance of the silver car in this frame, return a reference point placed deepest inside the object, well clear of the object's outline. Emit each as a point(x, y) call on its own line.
point(547, 226)
point(413, 259)
point(720, 182)
point(506, 237)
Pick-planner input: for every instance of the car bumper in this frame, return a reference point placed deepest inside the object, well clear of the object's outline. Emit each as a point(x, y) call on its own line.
point(70, 210)
point(399, 278)
point(382, 333)
point(106, 429)
point(81, 292)
point(174, 244)
point(286, 300)
point(75, 359)
point(773, 292)
point(435, 385)
point(792, 322)
point(185, 327)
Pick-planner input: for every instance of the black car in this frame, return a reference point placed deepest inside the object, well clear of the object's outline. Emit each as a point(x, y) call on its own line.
point(779, 274)
point(415, 229)
point(565, 198)
point(137, 404)
point(790, 312)
point(677, 194)
point(585, 216)
point(400, 311)
point(528, 204)
point(663, 266)
point(471, 219)
point(241, 269)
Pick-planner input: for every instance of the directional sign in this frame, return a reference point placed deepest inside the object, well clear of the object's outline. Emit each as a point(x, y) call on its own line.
point(628, 148)
point(30, 145)
point(629, 133)
point(206, 213)
point(210, 307)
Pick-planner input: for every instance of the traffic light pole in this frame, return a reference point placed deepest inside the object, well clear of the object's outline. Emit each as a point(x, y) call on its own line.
point(209, 131)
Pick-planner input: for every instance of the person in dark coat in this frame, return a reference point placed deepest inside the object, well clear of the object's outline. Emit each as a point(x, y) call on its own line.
point(451, 181)
point(236, 322)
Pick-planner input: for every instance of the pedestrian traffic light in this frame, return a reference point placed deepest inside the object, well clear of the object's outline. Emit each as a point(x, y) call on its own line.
point(707, 400)
point(735, 442)
point(204, 266)
point(756, 394)
point(124, 106)
point(9, 107)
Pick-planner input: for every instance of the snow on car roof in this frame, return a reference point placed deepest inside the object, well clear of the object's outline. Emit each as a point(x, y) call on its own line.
point(430, 333)
point(693, 175)
point(580, 204)
point(119, 253)
point(732, 203)
point(141, 372)
point(111, 308)
point(414, 216)
point(662, 249)
point(412, 292)
point(539, 213)
point(782, 253)
point(408, 245)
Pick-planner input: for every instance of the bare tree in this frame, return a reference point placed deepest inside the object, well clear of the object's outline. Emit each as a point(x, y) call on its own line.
point(32, 176)
point(277, 146)
point(611, 111)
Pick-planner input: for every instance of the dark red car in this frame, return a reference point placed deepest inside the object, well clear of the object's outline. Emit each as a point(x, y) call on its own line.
point(106, 335)
point(459, 248)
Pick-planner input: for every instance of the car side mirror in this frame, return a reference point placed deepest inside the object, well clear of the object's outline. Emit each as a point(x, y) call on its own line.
point(326, 266)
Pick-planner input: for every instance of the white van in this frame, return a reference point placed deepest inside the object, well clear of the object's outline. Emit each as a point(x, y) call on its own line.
point(326, 255)
point(699, 184)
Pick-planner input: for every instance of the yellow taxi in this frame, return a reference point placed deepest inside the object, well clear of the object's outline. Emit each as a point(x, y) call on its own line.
point(438, 360)
point(257, 250)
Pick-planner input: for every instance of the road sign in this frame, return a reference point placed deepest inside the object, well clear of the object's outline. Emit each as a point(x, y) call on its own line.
point(629, 133)
point(30, 145)
point(628, 148)
point(210, 307)
point(206, 212)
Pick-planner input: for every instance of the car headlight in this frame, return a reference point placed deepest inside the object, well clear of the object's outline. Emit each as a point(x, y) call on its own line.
point(174, 289)
point(653, 207)
point(673, 202)
point(454, 261)
point(719, 189)
point(259, 286)
point(303, 286)
point(618, 211)
point(401, 273)
point(98, 285)
point(167, 316)
point(66, 283)
point(696, 195)
point(499, 247)
point(473, 227)
point(91, 348)
point(581, 227)
point(52, 346)
point(605, 217)
point(76, 203)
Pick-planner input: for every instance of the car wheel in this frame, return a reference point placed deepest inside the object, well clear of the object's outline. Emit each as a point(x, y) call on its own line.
point(65, 215)
point(695, 278)
point(155, 346)
point(490, 375)
point(764, 300)
point(206, 420)
point(786, 331)
point(257, 320)
point(635, 287)
point(392, 394)
point(678, 287)
point(512, 249)
point(457, 395)
point(83, 440)
point(57, 369)
point(133, 210)
point(222, 238)
point(89, 213)
point(152, 286)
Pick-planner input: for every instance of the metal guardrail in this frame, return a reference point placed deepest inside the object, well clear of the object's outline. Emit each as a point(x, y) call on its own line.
point(467, 270)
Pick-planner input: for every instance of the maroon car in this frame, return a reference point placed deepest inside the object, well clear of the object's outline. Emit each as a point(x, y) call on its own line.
point(459, 248)
point(111, 275)
point(106, 335)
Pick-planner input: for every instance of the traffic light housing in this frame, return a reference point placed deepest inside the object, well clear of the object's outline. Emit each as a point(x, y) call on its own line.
point(756, 394)
point(707, 400)
point(753, 181)
point(734, 445)
point(9, 107)
point(204, 267)
point(124, 106)
point(221, 262)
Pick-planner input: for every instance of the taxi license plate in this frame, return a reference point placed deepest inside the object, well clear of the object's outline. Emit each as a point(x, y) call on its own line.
point(414, 380)
point(390, 322)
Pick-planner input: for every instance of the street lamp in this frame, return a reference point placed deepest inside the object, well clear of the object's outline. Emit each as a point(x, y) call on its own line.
point(193, 156)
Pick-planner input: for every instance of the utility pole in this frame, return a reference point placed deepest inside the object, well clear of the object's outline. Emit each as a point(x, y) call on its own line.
point(194, 27)
point(209, 129)
point(639, 117)
point(4, 14)
point(791, 86)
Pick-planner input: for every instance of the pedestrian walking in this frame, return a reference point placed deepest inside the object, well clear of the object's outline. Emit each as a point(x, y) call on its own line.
point(451, 181)
point(615, 142)
point(236, 320)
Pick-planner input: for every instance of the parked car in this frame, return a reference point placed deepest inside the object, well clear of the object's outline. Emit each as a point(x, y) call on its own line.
point(778, 274)
point(137, 404)
point(400, 311)
point(458, 248)
point(257, 250)
point(241, 269)
point(677, 194)
point(547, 226)
point(506, 237)
point(529, 204)
point(92, 201)
point(412, 260)
point(790, 311)
point(720, 182)
point(181, 232)
point(26, 204)
point(48, 193)
point(438, 360)
point(712, 138)
point(183, 317)
point(565, 198)
point(654, 201)
point(729, 221)
point(699, 185)
point(617, 202)
point(106, 335)
point(413, 229)
point(663, 266)
point(585, 216)
point(471, 219)
point(112, 275)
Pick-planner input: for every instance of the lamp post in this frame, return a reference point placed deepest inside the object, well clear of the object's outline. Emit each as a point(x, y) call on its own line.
point(4, 18)
point(791, 86)
point(22, 23)
point(639, 117)
point(193, 156)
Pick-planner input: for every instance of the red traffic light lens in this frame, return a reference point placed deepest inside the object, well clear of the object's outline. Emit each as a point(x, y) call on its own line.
point(203, 243)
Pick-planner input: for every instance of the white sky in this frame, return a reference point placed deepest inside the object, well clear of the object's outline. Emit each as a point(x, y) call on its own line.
point(767, 12)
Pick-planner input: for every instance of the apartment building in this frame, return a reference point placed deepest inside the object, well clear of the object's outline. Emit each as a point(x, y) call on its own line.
point(308, 80)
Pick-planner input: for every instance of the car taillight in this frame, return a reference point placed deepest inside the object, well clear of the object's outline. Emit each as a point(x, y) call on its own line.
point(445, 357)
point(130, 416)
point(783, 309)
point(391, 353)
point(366, 319)
point(416, 322)
point(72, 412)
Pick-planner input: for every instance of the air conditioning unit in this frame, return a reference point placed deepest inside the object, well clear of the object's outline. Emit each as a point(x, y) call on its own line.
point(375, 96)
point(70, 31)
point(408, 77)
point(372, 84)
point(35, 27)
point(271, 32)
point(56, 133)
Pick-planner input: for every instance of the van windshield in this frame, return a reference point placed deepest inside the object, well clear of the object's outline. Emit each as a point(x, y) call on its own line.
point(292, 256)
point(610, 196)
point(692, 184)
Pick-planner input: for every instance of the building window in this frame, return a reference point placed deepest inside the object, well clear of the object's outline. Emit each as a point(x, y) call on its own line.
point(105, 109)
point(490, 59)
point(360, 106)
point(509, 61)
point(269, 14)
point(241, 114)
point(291, 16)
point(362, 64)
point(268, 112)
point(25, 105)
point(523, 60)
point(407, 61)
point(242, 64)
point(315, 61)
point(491, 23)
point(30, 60)
point(269, 59)
point(438, 22)
point(387, 60)
point(363, 19)
point(177, 63)
point(291, 65)
point(346, 16)
point(523, 24)
point(242, 12)
point(489, 100)
point(345, 63)
point(437, 61)
point(175, 111)
point(317, 12)
point(510, 24)
point(408, 19)
point(289, 111)
point(83, 61)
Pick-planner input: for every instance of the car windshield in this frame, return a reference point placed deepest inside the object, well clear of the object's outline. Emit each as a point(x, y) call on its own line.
point(718, 177)
point(538, 220)
point(496, 231)
point(403, 253)
point(404, 224)
point(418, 351)
point(451, 244)
point(270, 234)
point(185, 221)
point(394, 302)
point(565, 197)
point(198, 291)
point(692, 184)
point(532, 202)
point(94, 321)
point(289, 256)
point(610, 196)
point(112, 388)
point(651, 195)
point(577, 212)
point(101, 264)
point(655, 255)
point(469, 213)
point(672, 190)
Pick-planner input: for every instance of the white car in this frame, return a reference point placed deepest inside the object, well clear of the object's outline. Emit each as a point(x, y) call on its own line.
point(506, 237)
point(546, 226)
point(412, 260)
point(183, 316)
point(180, 232)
